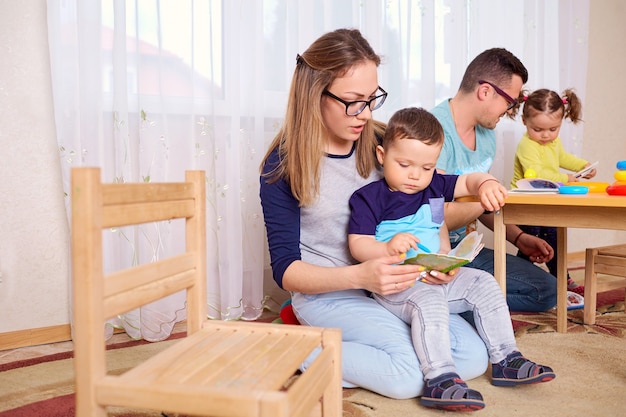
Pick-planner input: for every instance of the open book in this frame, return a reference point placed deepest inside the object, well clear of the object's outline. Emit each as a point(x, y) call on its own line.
point(536, 185)
point(462, 254)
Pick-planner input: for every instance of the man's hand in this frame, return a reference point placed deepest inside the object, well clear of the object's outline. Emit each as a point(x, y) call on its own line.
point(537, 249)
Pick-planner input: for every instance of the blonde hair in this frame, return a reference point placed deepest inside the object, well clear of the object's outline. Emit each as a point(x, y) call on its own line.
point(300, 141)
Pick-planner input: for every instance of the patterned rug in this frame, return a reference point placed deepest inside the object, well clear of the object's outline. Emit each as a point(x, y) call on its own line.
point(588, 361)
point(610, 318)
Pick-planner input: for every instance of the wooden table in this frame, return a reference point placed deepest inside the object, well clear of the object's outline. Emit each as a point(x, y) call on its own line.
point(593, 211)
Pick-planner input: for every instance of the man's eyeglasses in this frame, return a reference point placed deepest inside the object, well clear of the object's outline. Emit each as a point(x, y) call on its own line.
point(512, 102)
point(356, 107)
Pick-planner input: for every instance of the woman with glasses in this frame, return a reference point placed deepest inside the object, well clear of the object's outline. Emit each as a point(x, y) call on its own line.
point(488, 91)
point(324, 151)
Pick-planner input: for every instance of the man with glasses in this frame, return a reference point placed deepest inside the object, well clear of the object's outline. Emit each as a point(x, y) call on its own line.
point(488, 91)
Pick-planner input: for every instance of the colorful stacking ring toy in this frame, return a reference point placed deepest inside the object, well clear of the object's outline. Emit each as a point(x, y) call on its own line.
point(594, 187)
point(617, 188)
point(620, 175)
point(573, 189)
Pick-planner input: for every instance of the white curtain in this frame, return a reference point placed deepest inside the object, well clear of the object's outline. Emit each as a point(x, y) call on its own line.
point(147, 89)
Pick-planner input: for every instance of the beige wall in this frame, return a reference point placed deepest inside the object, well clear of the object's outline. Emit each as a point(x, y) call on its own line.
point(604, 110)
point(34, 277)
point(34, 243)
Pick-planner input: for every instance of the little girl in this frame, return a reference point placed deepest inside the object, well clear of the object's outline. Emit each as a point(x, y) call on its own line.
point(541, 150)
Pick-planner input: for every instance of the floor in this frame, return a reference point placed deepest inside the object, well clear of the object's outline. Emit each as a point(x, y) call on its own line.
point(12, 355)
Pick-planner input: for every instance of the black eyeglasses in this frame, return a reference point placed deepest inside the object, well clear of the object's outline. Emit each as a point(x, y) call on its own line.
point(356, 107)
point(512, 102)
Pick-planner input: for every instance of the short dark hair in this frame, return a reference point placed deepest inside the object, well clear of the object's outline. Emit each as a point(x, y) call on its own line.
point(415, 123)
point(496, 65)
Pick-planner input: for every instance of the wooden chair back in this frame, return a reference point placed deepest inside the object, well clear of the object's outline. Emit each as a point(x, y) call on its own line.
point(606, 260)
point(222, 368)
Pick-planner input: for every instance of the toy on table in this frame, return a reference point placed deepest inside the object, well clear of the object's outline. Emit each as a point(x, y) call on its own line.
point(573, 189)
point(532, 183)
point(594, 187)
point(619, 186)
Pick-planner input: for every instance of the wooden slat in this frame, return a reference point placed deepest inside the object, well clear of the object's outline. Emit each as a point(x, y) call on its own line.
point(152, 291)
point(608, 285)
point(268, 363)
point(194, 400)
point(130, 193)
point(611, 266)
point(614, 250)
point(147, 372)
point(132, 278)
point(130, 214)
point(304, 384)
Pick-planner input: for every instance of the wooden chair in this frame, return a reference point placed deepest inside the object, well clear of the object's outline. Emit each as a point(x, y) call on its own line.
point(222, 368)
point(609, 260)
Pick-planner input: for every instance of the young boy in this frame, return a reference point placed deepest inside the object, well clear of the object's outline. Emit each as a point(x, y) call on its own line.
point(392, 216)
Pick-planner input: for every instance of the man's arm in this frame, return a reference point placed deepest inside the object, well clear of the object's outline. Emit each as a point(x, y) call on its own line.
point(459, 215)
point(537, 249)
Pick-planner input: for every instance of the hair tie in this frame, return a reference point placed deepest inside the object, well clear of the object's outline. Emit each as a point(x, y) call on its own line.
point(525, 98)
point(564, 100)
point(298, 59)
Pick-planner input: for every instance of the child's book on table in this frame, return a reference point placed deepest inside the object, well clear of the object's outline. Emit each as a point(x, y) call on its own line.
point(541, 185)
point(462, 254)
point(535, 185)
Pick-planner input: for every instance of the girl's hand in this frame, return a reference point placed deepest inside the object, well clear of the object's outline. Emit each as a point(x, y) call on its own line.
point(590, 174)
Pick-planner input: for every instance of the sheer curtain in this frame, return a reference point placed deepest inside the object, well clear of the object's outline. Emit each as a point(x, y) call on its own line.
point(146, 89)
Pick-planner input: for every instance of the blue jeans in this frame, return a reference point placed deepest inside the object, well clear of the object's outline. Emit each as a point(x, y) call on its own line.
point(427, 308)
point(528, 287)
point(377, 350)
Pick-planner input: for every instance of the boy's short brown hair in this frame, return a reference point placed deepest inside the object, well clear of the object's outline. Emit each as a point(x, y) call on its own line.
point(413, 123)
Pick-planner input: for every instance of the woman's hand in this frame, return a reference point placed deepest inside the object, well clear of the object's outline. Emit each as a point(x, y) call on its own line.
point(537, 249)
point(384, 276)
point(438, 277)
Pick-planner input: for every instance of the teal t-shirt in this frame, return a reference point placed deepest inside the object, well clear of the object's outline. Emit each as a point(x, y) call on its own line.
point(456, 158)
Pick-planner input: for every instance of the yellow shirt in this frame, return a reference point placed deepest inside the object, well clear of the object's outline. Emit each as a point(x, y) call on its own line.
point(546, 160)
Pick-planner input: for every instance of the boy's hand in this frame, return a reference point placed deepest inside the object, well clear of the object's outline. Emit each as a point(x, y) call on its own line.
point(401, 243)
point(492, 194)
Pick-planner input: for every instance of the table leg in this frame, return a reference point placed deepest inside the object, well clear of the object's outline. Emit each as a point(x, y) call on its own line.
point(561, 280)
point(499, 249)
